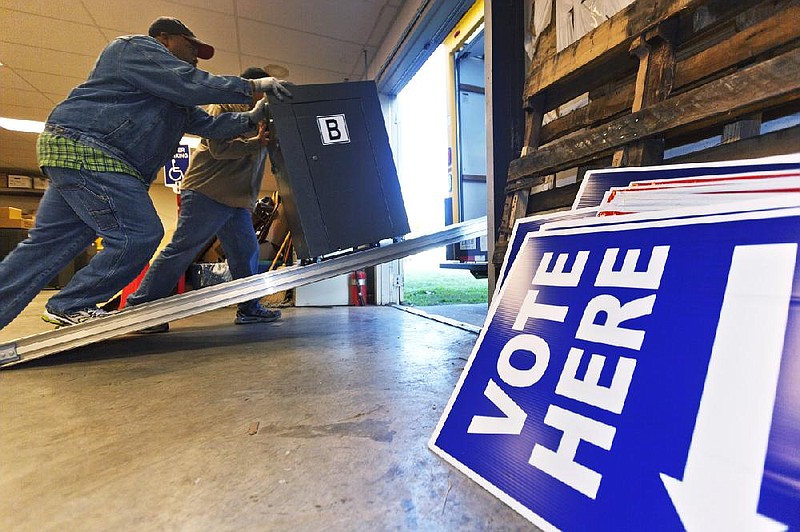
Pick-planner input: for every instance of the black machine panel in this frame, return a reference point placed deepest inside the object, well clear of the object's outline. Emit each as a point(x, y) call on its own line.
point(331, 157)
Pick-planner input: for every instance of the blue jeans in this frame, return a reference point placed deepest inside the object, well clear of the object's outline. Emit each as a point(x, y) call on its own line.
point(200, 219)
point(77, 207)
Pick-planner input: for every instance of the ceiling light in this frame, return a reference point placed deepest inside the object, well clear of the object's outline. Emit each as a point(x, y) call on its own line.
point(277, 71)
point(33, 126)
point(26, 126)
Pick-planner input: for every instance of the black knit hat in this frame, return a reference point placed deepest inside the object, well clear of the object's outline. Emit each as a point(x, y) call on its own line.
point(173, 26)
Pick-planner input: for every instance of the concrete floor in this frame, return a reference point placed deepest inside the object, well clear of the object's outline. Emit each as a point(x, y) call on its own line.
point(317, 422)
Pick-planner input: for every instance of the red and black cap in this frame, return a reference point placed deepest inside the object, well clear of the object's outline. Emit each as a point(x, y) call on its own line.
point(173, 26)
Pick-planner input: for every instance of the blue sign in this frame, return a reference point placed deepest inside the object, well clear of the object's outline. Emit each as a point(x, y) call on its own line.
point(527, 225)
point(640, 376)
point(176, 169)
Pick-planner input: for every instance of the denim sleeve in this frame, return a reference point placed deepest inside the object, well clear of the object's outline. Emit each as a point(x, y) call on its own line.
point(222, 126)
point(149, 66)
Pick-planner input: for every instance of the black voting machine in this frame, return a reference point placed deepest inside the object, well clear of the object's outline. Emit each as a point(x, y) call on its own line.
point(336, 177)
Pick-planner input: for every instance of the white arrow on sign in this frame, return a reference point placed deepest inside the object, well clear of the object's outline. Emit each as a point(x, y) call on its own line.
point(722, 480)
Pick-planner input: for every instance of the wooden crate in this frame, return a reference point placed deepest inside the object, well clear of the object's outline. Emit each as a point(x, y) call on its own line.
point(658, 75)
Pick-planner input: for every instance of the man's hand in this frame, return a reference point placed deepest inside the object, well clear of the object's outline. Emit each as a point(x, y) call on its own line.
point(258, 113)
point(263, 133)
point(272, 86)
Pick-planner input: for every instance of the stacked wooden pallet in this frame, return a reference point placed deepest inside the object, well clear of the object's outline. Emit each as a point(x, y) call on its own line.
point(659, 74)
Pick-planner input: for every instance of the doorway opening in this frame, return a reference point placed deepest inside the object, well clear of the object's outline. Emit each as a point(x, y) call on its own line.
point(441, 157)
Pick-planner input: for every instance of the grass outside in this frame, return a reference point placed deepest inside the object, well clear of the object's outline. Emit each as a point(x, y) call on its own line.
point(443, 287)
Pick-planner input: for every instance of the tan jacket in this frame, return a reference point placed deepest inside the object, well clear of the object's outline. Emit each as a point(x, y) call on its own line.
point(228, 171)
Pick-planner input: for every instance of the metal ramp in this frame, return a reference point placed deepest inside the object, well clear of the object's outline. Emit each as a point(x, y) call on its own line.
point(214, 297)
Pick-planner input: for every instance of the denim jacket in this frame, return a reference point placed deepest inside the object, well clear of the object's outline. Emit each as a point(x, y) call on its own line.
point(140, 99)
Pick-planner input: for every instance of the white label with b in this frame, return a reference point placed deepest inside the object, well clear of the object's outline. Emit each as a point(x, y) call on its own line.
point(333, 129)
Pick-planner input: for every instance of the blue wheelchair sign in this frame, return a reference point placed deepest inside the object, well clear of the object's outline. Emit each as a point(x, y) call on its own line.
point(640, 376)
point(176, 169)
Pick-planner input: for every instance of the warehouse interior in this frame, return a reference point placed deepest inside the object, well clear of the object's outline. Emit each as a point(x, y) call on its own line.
point(326, 436)
point(322, 420)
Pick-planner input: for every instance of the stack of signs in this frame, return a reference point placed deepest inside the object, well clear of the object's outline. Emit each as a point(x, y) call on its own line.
point(643, 196)
point(642, 371)
point(597, 183)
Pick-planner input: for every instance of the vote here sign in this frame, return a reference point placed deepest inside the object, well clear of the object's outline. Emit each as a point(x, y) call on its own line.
point(640, 376)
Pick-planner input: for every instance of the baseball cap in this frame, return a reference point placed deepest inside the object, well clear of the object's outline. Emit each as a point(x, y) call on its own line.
point(173, 26)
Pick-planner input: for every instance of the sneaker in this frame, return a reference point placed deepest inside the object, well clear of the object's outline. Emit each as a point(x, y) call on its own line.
point(72, 318)
point(256, 314)
point(154, 329)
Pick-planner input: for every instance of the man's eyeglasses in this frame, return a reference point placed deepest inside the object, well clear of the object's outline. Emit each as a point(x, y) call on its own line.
point(193, 44)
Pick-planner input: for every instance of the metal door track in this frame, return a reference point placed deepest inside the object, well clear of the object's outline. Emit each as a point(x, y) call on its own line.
point(214, 297)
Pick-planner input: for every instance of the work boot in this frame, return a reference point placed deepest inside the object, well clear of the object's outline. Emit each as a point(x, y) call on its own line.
point(256, 313)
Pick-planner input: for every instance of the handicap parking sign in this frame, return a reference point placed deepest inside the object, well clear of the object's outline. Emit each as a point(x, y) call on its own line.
point(640, 374)
point(177, 167)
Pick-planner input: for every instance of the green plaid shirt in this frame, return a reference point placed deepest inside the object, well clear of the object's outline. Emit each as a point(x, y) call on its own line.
point(61, 152)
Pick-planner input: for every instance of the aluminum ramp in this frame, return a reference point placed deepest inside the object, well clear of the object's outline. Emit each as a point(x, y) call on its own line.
point(214, 297)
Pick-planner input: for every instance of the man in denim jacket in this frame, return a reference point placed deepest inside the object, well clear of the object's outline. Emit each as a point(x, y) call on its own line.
point(218, 195)
point(101, 149)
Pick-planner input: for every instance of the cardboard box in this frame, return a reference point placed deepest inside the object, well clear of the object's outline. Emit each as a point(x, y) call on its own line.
point(10, 213)
point(40, 183)
point(20, 181)
point(328, 292)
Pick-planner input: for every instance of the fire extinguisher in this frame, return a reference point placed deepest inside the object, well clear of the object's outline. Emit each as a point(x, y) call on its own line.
point(358, 288)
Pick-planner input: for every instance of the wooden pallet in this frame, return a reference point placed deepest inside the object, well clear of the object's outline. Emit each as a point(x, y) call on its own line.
point(657, 75)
